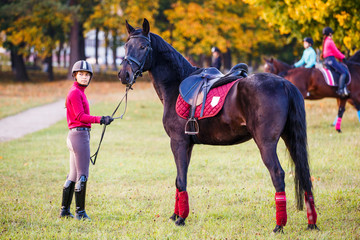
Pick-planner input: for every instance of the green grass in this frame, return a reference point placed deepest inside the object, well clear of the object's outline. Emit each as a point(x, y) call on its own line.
point(131, 188)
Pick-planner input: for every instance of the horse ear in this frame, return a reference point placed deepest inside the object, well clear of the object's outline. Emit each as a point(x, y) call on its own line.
point(129, 28)
point(271, 60)
point(146, 27)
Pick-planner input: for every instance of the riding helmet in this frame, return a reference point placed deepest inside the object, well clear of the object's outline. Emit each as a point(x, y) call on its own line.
point(82, 65)
point(215, 49)
point(309, 40)
point(327, 30)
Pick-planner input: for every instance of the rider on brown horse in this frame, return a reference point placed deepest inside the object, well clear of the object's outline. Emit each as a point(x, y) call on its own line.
point(308, 59)
point(330, 52)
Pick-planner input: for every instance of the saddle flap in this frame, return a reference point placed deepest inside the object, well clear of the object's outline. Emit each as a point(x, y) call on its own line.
point(190, 87)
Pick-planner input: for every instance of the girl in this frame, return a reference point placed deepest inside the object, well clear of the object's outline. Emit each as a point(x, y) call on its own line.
point(309, 55)
point(79, 122)
point(330, 52)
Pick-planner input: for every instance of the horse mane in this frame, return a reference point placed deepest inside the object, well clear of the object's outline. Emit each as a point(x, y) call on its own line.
point(177, 62)
point(284, 64)
point(283, 73)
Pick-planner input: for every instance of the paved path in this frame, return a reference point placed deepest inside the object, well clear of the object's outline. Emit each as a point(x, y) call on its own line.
point(31, 120)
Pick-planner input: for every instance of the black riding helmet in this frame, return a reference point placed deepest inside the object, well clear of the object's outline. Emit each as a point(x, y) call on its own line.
point(309, 40)
point(327, 30)
point(84, 66)
point(215, 49)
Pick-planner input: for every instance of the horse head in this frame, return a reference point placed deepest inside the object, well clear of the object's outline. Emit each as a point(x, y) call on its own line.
point(269, 65)
point(276, 66)
point(138, 53)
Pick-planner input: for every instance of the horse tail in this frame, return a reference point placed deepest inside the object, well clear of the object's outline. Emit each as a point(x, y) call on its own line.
point(295, 138)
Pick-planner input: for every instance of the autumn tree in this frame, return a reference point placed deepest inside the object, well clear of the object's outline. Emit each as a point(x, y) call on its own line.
point(230, 25)
point(10, 12)
point(108, 17)
point(136, 10)
point(298, 19)
point(36, 25)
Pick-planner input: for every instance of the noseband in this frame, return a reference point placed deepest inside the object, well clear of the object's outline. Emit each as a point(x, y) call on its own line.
point(140, 65)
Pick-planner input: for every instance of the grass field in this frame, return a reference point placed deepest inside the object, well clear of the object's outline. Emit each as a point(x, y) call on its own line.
point(131, 188)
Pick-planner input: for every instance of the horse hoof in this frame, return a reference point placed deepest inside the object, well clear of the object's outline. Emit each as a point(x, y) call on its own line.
point(174, 217)
point(180, 221)
point(278, 229)
point(312, 227)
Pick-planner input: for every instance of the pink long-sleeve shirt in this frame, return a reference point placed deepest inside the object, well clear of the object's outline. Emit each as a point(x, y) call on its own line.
point(77, 108)
point(330, 49)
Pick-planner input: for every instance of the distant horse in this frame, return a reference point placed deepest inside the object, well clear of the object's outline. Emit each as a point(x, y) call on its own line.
point(312, 85)
point(262, 106)
point(355, 57)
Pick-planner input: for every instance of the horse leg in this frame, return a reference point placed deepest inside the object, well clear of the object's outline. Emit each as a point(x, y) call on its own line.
point(182, 153)
point(342, 103)
point(338, 104)
point(271, 161)
point(310, 211)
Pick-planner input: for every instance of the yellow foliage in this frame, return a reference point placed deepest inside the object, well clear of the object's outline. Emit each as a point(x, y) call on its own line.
point(300, 18)
point(199, 26)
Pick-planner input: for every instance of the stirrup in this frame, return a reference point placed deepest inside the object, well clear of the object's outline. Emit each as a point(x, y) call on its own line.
point(192, 129)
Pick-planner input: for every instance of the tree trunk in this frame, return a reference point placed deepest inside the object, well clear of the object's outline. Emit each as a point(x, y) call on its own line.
point(18, 67)
point(82, 55)
point(49, 62)
point(106, 48)
point(65, 57)
point(114, 47)
point(74, 46)
point(97, 67)
point(97, 46)
point(58, 54)
point(77, 45)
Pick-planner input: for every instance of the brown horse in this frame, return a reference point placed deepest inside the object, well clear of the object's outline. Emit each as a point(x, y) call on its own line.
point(262, 106)
point(312, 85)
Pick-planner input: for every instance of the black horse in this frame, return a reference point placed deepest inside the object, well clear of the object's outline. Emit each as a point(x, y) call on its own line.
point(262, 106)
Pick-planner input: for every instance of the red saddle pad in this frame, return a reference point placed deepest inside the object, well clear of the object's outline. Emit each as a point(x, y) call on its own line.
point(213, 104)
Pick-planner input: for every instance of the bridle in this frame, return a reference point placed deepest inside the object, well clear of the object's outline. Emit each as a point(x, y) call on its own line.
point(140, 64)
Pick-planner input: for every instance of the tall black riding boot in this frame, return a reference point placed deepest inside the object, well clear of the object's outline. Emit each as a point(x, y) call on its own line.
point(342, 91)
point(80, 192)
point(68, 192)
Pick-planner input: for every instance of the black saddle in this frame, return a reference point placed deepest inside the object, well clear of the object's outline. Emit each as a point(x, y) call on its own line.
point(195, 88)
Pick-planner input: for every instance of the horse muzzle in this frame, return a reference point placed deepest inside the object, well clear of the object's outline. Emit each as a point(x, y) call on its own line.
point(126, 75)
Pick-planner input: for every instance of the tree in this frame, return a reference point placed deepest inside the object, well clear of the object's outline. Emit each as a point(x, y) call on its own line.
point(299, 19)
point(108, 16)
point(84, 9)
point(230, 25)
point(10, 12)
point(31, 24)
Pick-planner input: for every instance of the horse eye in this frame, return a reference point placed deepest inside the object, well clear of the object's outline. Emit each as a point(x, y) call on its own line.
point(142, 47)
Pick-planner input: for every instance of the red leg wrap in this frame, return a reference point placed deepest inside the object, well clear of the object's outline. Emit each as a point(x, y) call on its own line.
point(310, 208)
point(280, 202)
point(176, 210)
point(183, 204)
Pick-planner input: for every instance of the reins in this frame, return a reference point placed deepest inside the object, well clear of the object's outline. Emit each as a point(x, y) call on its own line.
point(104, 128)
